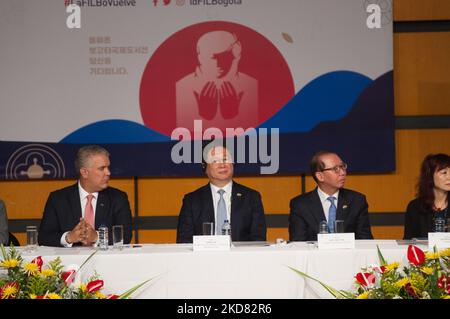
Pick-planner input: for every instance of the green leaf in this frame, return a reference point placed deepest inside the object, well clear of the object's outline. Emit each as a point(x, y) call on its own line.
point(339, 294)
point(383, 261)
point(130, 291)
point(95, 251)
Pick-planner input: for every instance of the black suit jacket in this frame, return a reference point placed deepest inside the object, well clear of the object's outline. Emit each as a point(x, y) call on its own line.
point(417, 222)
point(307, 212)
point(63, 212)
point(248, 222)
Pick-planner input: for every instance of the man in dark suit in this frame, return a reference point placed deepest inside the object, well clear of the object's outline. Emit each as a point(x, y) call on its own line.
point(244, 208)
point(329, 201)
point(73, 214)
point(4, 233)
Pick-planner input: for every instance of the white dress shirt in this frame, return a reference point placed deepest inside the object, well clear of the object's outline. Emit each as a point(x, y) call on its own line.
point(325, 202)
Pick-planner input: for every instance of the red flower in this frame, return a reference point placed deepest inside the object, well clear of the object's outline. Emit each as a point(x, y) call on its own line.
point(112, 296)
point(68, 276)
point(380, 269)
point(365, 278)
point(38, 261)
point(415, 255)
point(410, 290)
point(444, 283)
point(94, 285)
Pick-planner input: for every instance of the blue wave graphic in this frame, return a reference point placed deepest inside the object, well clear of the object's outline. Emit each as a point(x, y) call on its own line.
point(326, 98)
point(329, 97)
point(114, 131)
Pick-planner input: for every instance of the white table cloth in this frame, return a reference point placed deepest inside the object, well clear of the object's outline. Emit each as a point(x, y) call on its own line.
point(243, 272)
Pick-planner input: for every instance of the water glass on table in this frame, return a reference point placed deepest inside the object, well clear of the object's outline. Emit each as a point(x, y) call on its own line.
point(339, 226)
point(208, 229)
point(117, 231)
point(32, 238)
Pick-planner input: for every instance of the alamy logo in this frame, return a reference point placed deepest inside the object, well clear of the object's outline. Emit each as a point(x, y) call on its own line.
point(374, 19)
point(252, 146)
point(34, 161)
point(73, 21)
point(379, 13)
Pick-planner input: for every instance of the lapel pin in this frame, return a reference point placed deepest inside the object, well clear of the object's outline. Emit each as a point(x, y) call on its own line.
point(101, 204)
point(238, 194)
point(344, 207)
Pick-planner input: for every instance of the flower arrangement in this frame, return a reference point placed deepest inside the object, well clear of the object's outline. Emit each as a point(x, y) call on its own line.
point(427, 276)
point(34, 280)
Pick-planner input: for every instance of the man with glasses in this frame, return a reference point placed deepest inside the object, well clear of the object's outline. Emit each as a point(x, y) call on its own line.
point(221, 199)
point(328, 202)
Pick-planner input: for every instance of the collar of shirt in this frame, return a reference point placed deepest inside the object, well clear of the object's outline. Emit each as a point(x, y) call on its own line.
point(326, 203)
point(83, 199)
point(226, 196)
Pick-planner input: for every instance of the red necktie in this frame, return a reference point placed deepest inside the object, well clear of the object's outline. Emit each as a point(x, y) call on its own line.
point(89, 211)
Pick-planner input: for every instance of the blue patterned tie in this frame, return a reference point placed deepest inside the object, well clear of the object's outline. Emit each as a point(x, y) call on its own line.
point(221, 213)
point(331, 214)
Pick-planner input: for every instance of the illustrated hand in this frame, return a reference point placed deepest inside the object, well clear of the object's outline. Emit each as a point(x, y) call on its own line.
point(229, 100)
point(207, 101)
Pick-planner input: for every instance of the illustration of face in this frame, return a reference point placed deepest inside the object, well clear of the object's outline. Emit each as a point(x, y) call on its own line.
point(223, 62)
point(216, 52)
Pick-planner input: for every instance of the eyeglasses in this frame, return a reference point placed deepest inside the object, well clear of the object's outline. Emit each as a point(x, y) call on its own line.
point(336, 168)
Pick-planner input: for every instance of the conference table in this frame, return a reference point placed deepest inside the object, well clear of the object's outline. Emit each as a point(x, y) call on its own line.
point(248, 270)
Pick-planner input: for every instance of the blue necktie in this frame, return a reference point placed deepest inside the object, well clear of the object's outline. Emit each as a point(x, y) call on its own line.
point(221, 213)
point(331, 214)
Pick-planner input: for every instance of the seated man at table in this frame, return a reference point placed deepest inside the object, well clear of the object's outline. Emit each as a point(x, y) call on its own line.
point(4, 233)
point(329, 201)
point(73, 214)
point(221, 199)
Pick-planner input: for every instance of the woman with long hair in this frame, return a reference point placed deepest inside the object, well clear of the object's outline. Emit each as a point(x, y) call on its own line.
point(432, 197)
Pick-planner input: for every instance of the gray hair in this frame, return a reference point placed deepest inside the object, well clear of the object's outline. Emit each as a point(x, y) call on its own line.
point(84, 153)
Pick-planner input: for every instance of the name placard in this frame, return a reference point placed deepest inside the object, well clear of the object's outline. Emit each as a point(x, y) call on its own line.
point(440, 240)
point(212, 243)
point(336, 241)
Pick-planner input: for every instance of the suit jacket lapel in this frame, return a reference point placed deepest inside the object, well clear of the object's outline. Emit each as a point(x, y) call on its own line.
point(101, 208)
point(236, 200)
point(207, 204)
point(75, 204)
point(316, 206)
point(341, 211)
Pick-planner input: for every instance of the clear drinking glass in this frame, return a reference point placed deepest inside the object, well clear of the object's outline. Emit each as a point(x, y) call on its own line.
point(339, 226)
point(117, 231)
point(32, 238)
point(208, 229)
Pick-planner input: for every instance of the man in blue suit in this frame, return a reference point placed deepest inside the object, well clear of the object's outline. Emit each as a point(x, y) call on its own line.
point(73, 214)
point(329, 201)
point(244, 208)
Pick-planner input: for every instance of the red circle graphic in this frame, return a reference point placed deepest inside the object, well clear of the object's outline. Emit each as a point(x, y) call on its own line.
point(222, 73)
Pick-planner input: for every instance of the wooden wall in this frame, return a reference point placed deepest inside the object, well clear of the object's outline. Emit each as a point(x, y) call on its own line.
point(421, 88)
